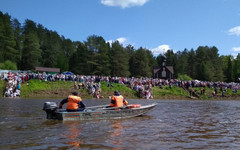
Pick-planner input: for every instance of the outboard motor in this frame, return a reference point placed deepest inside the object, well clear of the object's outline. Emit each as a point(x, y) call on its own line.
point(51, 109)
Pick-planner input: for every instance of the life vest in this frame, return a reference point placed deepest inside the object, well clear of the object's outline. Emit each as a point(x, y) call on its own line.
point(118, 101)
point(134, 106)
point(73, 102)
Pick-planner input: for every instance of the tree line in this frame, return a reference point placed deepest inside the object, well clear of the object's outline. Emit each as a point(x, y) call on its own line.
point(25, 46)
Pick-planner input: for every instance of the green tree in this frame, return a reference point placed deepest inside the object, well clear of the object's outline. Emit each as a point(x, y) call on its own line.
point(204, 71)
point(131, 53)
point(31, 50)
point(103, 58)
point(16, 25)
point(141, 64)
point(1, 38)
point(191, 61)
point(119, 60)
point(62, 62)
point(171, 60)
point(78, 60)
point(98, 58)
point(216, 64)
point(229, 71)
point(236, 68)
point(160, 58)
point(68, 47)
point(48, 57)
point(7, 48)
point(152, 62)
point(182, 62)
point(55, 49)
point(204, 66)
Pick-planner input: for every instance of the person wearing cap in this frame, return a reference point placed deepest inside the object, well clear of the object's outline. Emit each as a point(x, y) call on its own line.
point(118, 100)
point(74, 102)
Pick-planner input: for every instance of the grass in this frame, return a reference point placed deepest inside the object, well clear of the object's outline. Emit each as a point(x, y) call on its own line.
point(3, 84)
point(61, 89)
point(167, 92)
point(39, 87)
point(209, 91)
point(123, 89)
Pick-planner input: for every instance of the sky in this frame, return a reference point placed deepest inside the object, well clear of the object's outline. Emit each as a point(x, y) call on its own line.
point(157, 25)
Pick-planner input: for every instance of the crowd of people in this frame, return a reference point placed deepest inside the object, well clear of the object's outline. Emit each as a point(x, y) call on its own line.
point(13, 85)
point(143, 86)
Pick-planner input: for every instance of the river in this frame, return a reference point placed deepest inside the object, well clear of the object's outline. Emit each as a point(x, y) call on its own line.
point(172, 124)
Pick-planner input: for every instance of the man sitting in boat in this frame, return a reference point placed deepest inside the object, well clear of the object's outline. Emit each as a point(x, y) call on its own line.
point(118, 100)
point(74, 102)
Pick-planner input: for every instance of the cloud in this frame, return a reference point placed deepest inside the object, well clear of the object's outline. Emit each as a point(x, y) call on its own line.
point(236, 49)
point(161, 49)
point(234, 31)
point(234, 55)
point(124, 3)
point(122, 40)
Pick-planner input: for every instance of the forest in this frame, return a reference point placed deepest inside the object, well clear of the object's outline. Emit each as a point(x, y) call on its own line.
point(29, 45)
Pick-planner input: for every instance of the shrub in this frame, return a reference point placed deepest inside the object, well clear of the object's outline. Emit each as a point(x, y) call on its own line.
point(8, 65)
point(184, 77)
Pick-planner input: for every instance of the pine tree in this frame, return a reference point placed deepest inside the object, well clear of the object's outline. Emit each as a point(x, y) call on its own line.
point(31, 50)
point(141, 64)
point(191, 61)
point(8, 43)
point(229, 71)
point(131, 53)
point(78, 60)
point(99, 59)
point(16, 25)
point(119, 60)
point(1, 38)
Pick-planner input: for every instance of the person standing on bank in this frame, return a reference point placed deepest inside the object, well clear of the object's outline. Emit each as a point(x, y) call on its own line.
point(74, 102)
point(118, 100)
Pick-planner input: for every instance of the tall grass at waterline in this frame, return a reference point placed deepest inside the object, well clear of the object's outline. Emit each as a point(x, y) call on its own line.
point(3, 84)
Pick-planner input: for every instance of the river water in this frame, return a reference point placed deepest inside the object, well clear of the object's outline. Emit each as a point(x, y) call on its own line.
point(172, 124)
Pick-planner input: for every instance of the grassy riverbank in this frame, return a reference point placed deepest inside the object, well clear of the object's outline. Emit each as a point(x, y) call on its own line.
point(59, 89)
point(2, 87)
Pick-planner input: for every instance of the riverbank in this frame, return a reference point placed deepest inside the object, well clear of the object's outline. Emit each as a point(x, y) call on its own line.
point(3, 84)
point(61, 89)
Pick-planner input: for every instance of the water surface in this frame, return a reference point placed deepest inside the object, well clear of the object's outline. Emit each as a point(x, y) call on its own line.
point(173, 124)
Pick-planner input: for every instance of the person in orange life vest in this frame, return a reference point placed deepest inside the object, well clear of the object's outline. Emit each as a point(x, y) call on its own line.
point(118, 100)
point(74, 102)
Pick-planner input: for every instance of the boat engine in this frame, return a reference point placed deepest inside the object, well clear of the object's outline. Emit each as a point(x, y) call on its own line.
point(51, 109)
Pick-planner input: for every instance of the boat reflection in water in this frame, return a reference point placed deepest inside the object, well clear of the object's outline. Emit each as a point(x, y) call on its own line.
point(73, 134)
point(116, 135)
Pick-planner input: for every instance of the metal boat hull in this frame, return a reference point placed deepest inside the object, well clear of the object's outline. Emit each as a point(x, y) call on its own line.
point(103, 113)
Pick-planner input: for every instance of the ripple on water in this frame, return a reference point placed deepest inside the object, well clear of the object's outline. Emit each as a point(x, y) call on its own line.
point(171, 125)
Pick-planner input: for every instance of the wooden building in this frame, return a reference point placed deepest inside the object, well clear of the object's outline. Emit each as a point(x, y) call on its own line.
point(47, 70)
point(163, 72)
